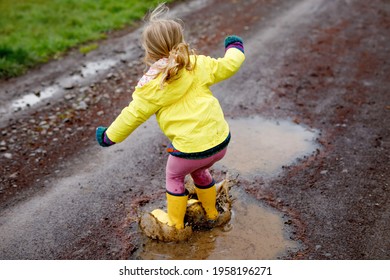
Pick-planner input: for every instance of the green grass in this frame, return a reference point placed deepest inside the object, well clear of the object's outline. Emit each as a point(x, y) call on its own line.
point(88, 48)
point(34, 31)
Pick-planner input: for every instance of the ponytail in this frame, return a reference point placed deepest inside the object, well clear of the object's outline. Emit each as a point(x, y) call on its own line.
point(163, 38)
point(179, 58)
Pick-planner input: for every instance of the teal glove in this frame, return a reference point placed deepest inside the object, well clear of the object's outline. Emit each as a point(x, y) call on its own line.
point(234, 41)
point(102, 137)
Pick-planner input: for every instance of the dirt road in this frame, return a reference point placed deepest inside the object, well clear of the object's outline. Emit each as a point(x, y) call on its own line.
point(321, 66)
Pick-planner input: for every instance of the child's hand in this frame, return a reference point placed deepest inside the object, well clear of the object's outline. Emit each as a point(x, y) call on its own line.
point(102, 138)
point(234, 41)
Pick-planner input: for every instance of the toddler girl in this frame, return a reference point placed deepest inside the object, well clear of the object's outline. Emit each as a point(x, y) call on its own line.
point(176, 88)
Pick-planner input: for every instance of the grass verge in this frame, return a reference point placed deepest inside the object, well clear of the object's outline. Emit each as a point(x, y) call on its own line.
point(33, 31)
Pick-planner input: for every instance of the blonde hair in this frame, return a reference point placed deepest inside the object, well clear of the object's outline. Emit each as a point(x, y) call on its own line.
point(163, 38)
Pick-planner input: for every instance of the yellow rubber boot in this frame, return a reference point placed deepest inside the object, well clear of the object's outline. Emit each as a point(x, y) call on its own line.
point(208, 198)
point(176, 208)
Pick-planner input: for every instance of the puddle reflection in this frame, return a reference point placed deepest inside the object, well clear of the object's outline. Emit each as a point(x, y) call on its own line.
point(260, 146)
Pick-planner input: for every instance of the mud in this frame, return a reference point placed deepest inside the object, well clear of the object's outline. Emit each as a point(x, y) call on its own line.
point(318, 65)
point(154, 222)
point(255, 231)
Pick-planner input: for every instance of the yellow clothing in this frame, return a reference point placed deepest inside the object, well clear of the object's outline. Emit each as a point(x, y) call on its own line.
point(187, 112)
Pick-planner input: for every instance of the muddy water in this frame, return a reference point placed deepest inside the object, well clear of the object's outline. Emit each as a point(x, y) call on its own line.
point(261, 147)
point(88, 70)
point(258, 147)
point(254, 232)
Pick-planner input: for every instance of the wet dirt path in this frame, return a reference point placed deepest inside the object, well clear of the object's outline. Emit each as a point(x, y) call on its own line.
point(314, 66)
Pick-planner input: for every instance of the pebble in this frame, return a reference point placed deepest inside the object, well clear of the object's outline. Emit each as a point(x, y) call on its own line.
point(14, 175)
point(8, 155)
point(110, 75)
point(67, 84)
point(323, 172)
point(69, 96)
point(82, 106)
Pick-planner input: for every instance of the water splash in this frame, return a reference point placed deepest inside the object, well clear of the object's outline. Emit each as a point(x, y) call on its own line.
point(254, 232)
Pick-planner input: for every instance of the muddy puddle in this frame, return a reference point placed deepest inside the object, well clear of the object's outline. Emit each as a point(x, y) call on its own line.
point(259, 147)
point(87, 71)
point(255, 231)
point(262, 147)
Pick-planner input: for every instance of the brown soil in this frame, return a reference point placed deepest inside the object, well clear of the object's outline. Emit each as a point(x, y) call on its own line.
point(330, 74)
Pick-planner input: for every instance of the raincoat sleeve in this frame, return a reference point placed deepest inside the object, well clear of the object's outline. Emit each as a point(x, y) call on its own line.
point(223, 68)
point(132, 116)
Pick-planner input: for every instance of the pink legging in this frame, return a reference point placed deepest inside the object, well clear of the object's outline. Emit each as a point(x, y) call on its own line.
point(177, 168)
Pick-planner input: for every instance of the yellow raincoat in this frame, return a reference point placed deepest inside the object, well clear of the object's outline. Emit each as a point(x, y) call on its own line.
point(186, 111)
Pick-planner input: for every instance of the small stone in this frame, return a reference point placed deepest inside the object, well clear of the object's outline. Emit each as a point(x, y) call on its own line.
point(8, 155)
point(323, 172)
point(82, 106)
point(14, 175)
point(67, 84)
point(69, 96)
point(110, 75)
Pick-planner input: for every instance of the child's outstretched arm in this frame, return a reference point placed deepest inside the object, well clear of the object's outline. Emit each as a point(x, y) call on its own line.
point(132, 116)
point(225, 67)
